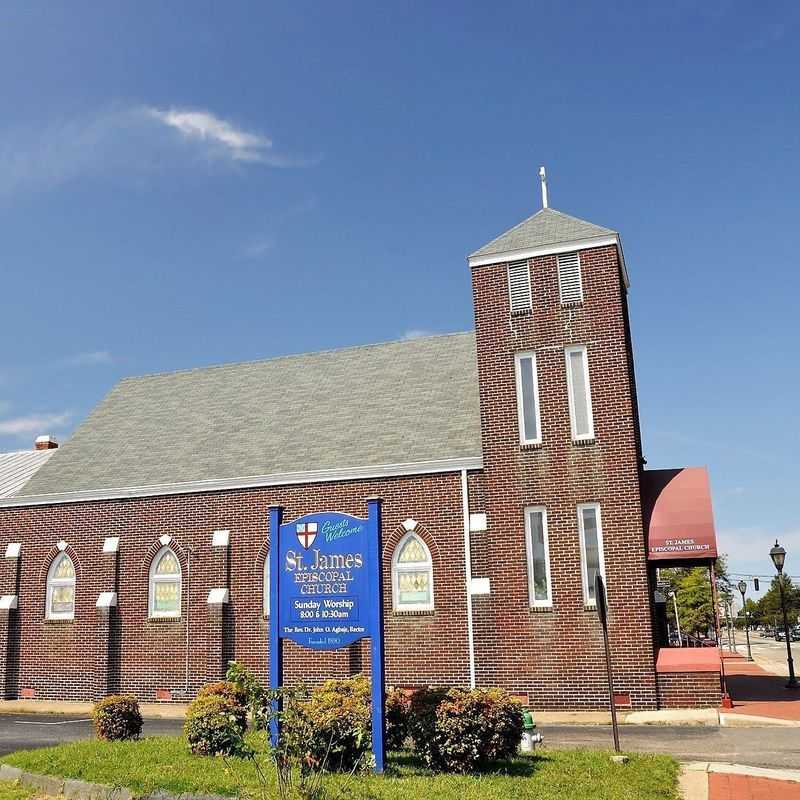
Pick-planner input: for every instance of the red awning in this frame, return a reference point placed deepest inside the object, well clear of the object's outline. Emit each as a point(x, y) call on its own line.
point(679, 521)
point(688, 659)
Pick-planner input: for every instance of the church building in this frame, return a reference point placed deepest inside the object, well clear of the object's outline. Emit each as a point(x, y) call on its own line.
point(509, 461)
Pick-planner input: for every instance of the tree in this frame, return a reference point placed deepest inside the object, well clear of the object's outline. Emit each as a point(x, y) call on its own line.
point(692, 587)
point(768, 607)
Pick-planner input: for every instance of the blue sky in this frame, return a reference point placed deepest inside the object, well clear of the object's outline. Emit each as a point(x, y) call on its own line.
point(192, 183)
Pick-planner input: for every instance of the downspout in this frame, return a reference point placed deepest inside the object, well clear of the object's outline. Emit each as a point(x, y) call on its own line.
point(188, 607)
point(468, 573)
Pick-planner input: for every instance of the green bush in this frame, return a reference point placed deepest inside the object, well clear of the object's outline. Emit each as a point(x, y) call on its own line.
point(422, 715)
point(215, 725)
point(337, 716)
point(236, 694)
point(473, 729)
point(117, 717)
point(398, 705)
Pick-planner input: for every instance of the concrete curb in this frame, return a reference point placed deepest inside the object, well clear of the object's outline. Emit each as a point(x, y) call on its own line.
point(754, 721)
point(73, 789)
point(792, 775)
point(75, 708)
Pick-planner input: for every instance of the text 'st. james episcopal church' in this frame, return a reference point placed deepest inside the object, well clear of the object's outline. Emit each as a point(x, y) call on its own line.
point(510, 465)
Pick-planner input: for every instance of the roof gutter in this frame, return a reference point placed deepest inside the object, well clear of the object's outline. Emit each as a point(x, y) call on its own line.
point(550, 249)
point(254, 482)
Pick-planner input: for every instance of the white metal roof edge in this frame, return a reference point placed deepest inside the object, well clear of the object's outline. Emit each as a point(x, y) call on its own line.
point(550, 249)
point(254, 482)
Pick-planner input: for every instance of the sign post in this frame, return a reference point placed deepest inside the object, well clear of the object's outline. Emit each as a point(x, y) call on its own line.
point(326, 592)
point(602, 611)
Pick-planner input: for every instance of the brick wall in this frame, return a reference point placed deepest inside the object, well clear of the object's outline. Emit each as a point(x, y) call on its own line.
point(689, 690)
point(556, 655)
point(127, 651)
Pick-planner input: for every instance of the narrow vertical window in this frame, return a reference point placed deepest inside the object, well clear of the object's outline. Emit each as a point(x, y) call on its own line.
point(570, 286)
point(519, 287)
point(538, 550)
point(580, 395)
point(266, 586)
point(528, 399)
point(590, 531)
point(165, 585)
point(61, 588)
point(412, 575)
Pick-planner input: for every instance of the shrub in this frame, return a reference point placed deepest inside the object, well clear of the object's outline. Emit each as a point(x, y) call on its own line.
point(215, 725)
point(228, 689)
point(473, 729)
point(422, 716)
point(337, 713)
point(117, 717)
point(398, 705)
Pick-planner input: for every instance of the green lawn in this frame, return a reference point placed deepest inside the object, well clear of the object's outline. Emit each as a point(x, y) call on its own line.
point(165, 763)
point(10, 791)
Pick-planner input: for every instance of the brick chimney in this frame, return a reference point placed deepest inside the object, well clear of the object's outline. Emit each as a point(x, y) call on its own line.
point(46, 442)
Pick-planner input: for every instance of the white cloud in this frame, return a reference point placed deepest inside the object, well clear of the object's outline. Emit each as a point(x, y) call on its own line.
point(258, 247)
point(204, 126)
point(128, 140)
point(34, 424)
point(416, 333)
point(89, 359)
point(748, 549)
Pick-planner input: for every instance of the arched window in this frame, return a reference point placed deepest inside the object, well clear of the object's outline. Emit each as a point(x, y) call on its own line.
point(165, 584)
point(412, 575)
point(61, 588)
point(266, 586)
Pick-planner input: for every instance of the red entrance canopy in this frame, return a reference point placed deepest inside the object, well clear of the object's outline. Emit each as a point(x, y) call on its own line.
point(679, 521)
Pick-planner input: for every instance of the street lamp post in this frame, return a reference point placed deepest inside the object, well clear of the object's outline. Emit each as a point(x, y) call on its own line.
point(743, 588)
point(778, 556)
point(677, 618)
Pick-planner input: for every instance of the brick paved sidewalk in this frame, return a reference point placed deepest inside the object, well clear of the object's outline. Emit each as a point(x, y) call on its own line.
point(757, 692)
point(749, 787)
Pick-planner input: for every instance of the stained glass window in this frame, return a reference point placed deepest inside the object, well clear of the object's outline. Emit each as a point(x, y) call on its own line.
point(165, 585)
point(412, 575)
point(61, 588)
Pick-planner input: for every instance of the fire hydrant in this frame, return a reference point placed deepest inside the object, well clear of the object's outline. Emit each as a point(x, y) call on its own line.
point(530, 736)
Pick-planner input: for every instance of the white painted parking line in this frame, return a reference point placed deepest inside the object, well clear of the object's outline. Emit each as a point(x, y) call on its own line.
point(62, 722)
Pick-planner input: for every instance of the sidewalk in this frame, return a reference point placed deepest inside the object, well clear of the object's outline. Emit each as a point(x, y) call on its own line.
point(717, 781)
point(756, 692)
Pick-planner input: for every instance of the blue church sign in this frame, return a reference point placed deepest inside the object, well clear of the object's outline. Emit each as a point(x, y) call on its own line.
point(326, 592)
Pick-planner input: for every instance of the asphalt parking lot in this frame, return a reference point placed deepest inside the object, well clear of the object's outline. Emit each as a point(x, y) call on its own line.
point(25, 731)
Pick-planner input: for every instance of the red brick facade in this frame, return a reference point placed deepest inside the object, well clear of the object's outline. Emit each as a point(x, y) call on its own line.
point(554, 656)
point(689, 690)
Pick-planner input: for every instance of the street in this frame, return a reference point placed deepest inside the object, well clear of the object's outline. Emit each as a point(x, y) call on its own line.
point(767, 653)
point(757, 747)
point(763, 747)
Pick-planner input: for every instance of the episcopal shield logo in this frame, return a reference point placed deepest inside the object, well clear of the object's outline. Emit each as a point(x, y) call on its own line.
point(306, 533)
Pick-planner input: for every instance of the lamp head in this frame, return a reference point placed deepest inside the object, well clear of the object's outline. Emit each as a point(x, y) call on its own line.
point(742, 586)
point(778, 556)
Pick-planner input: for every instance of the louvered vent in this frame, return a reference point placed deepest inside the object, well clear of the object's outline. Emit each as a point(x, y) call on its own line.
point(570, 288)
point(519, 286)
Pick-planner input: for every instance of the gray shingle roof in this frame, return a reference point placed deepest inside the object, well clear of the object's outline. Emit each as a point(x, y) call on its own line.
point(396, 403)
point(545, 227)
point(16, 469)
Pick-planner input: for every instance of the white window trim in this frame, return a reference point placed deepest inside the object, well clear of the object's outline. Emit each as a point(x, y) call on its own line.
point(265, 578)
point(412, 566)
point(154, 579)
point(534, 603)
point(52, 582)
point(584, 566)
point(520, 408)
point(580, 348)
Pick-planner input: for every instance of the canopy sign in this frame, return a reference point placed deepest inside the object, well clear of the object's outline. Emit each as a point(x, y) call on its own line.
point(325, 593)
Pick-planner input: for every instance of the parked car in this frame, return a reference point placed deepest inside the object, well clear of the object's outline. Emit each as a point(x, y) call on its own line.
point(796, 635)
point(780, 635)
